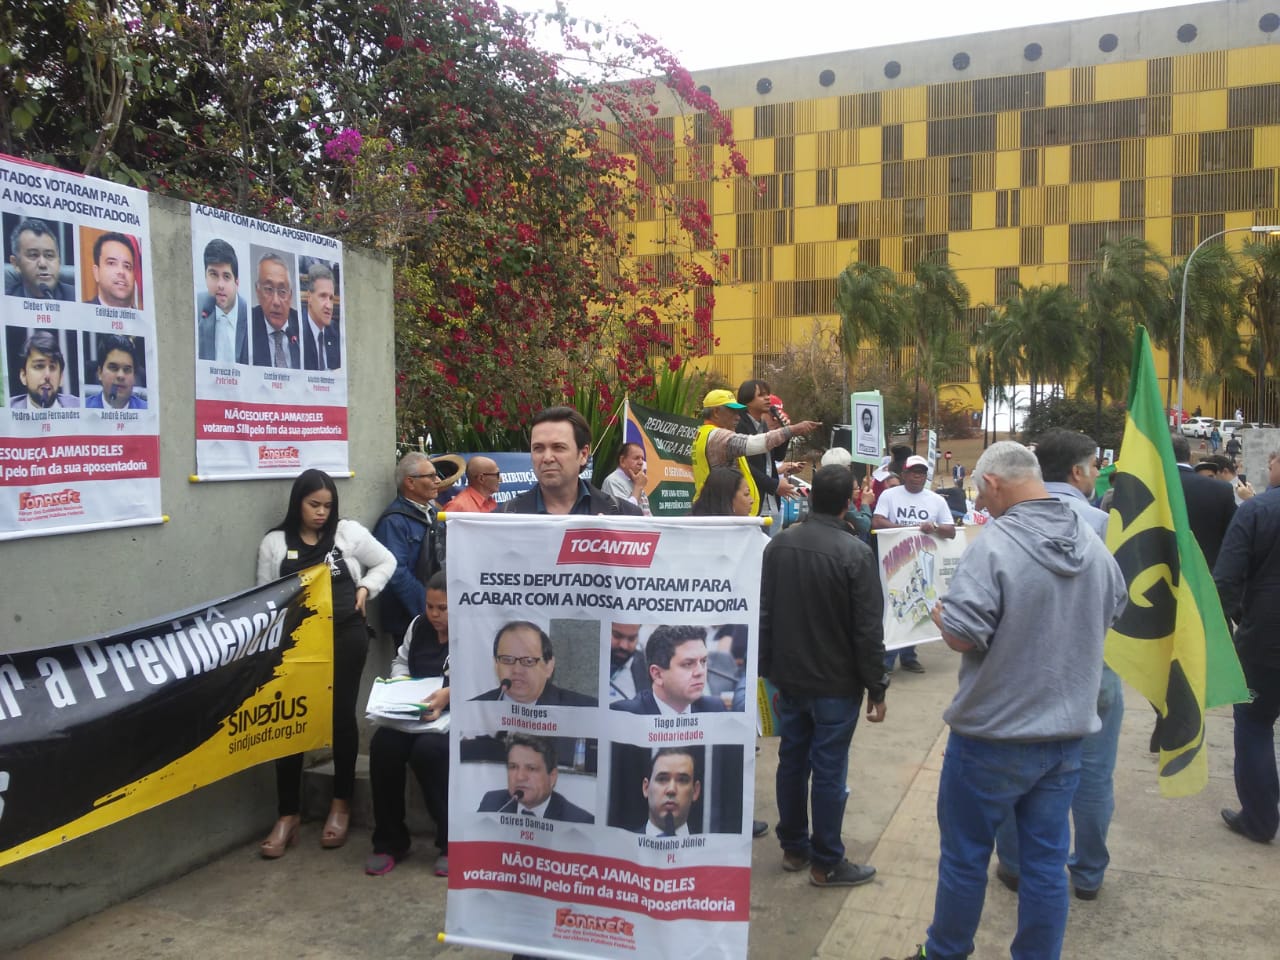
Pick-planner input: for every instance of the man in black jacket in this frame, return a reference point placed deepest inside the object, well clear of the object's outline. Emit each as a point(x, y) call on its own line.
point(1248, 579)
point(822, 645)
point(559, 445)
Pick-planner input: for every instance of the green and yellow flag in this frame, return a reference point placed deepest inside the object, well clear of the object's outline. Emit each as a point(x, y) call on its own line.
point(1172, 641)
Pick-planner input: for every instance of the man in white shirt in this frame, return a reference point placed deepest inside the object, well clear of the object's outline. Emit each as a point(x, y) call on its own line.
point(672, 788)
point(628, 482)
point(911, 505)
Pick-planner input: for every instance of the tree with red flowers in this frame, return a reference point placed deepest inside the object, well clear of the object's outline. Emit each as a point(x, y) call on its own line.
point(502, 179)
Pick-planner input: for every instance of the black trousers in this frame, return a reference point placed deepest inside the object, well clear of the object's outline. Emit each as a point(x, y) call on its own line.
point(350, 648)
point(427, 754)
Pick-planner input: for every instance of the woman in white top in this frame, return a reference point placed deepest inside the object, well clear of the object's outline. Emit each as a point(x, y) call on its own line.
point(360, 566)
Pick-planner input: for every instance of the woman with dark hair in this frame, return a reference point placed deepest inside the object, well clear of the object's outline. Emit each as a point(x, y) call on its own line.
point(424, 653)
point(310, 534)
point(725, 494)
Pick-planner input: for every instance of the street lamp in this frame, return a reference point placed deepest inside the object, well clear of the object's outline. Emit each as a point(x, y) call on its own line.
point(1182, 310)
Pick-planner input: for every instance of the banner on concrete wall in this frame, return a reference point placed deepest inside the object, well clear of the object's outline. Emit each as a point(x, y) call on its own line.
point(915, 570)
point(95, 731)
point(271, 349)
point(581, 826)
point(79, 429)
point(667, 439)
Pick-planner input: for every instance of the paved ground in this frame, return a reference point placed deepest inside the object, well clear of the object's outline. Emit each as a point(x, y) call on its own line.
point(1180, 886)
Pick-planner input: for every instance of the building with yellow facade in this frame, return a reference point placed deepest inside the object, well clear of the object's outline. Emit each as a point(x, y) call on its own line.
point(1019, 151)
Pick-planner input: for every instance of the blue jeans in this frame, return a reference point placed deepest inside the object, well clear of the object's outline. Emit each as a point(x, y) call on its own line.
point(909, 655)
point(814, 737)
point(1257, 785)
point(1095, 799)
point(981, 780)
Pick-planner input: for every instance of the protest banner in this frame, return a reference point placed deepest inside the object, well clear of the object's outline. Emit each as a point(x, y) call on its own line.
point(667, 439)
point(271, 349)
point(95, 731)
point(868, 427)
point(580, 827)
point(915, 571)
point(79, 435)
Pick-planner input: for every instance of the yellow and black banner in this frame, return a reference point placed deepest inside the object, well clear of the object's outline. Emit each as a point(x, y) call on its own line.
point(94, 731)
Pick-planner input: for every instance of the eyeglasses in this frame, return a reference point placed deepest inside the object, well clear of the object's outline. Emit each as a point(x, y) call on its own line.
point(509, 661)
point(269, 292)
point(425, 476)
point(494, 474)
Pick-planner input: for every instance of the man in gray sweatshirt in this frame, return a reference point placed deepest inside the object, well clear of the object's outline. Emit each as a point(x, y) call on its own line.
point(1028, 611)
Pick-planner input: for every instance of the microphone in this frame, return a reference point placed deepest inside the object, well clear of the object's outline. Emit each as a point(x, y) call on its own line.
point(45, 293)
point(505, 685)
point(510, 805)
point(111, 397)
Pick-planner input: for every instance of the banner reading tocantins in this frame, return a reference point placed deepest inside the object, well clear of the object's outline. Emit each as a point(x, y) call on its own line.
point(95, 731)
point(580, 825)
point(271, 348)
point(79, 428)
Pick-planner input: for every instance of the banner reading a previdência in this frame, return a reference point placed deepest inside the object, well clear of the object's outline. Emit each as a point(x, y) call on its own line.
point(667, 439)
point(915, 571)
point(79, 444)
point(271, 349)
point(584, 820)
point(95, 731)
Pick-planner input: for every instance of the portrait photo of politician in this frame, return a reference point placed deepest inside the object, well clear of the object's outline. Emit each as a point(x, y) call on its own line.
point(524, 662)
point(671, 792)
point(533, 771)
point(680, 668)
point(275, 331)
point(39, 258)
point(321, 323)
point(43, 362)
point(116, 374)
point(222, 316)
point(115, 268)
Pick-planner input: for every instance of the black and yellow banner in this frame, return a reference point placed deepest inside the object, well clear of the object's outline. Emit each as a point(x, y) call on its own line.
point(94, 731)
point(1172, 641)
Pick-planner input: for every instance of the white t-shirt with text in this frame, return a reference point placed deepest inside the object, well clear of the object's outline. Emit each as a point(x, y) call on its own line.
point(900, 506)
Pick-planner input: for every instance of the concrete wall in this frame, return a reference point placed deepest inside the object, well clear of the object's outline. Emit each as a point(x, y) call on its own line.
point(206, 550)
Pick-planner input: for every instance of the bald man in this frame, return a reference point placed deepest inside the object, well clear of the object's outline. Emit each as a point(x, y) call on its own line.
point(483, 480)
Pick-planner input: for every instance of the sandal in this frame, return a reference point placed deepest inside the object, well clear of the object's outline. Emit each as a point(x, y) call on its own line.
point(334, 834)
point(282, 836)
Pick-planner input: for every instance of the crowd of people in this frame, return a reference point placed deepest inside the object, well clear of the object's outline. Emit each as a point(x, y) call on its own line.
point(1027, 612)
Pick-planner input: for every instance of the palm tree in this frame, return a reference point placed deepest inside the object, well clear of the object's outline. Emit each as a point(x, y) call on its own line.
point(1039, 332)
point(995, 353)
point(1125, 289)
point(1213, 318)
point(1260, 292)
point(935, 306)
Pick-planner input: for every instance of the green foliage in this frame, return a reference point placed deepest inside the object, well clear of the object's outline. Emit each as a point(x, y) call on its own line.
point(1072, 413)
point(495, 175)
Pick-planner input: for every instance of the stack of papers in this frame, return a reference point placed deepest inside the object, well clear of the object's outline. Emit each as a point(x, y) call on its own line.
point(398, 703)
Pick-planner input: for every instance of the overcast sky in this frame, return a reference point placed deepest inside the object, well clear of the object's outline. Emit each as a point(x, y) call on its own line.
point(715, 33)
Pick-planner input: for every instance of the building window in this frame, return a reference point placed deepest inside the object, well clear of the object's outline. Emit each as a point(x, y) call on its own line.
point(1032, 52)
point(1108, 42)
point(826, 78)
point(960, 61)
point(891, 142)
point(892, 69)
point(763, 86)
point(1186, 33)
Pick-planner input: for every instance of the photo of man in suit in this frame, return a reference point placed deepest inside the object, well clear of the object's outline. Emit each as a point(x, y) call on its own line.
point(531, 784)
point(671, 789)
point(322, 347)
point(41, 371)
point(275, 322)
point(524, 661)
point(677, 659)
point(35, 255)
point(115, 263)
point(223, 320)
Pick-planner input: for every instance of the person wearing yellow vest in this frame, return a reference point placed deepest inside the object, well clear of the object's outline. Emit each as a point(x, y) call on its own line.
point(717, 444)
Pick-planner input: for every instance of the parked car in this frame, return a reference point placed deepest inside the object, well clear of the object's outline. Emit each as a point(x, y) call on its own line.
point(1198, 427)
point(1228, 428)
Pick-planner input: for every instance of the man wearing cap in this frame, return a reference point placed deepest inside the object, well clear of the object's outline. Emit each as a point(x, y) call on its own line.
point(911, 505)
point(717, 444)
